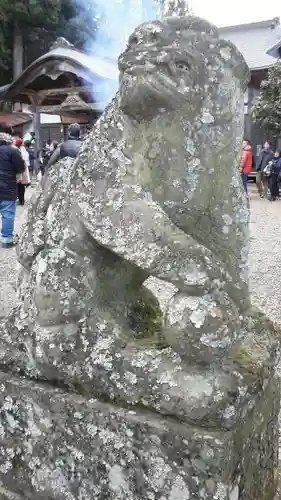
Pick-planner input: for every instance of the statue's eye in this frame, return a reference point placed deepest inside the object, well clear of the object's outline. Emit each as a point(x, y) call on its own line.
point(182, 65)
point(134, 40)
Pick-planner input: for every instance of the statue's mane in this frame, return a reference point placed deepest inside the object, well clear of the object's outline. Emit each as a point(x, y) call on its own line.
point(192, 23)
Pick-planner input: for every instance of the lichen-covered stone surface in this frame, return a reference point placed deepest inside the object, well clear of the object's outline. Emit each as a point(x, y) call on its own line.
point(156, 406)
point(63, 446)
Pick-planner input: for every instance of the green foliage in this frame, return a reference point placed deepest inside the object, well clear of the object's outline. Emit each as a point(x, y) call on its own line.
point(267, 110)
point(29, 12)
point(5, 52)
point(23, 16)
point(77, 26)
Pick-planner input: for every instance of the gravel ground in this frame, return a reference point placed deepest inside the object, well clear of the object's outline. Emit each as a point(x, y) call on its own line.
point(9, 266)
point(265, 251)
point(265, 248)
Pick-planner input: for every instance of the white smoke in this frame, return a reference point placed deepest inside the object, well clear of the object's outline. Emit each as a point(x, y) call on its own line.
point(116, 20)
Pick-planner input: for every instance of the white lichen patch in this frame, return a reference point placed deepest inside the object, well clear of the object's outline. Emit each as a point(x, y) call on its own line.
point(179, 490)
point(226, 53)
point(168, 378)
point(214, 341)
point(117, 480)
point(198, 386)
point(131, 378)
point(221, 492)
point(179, 305)
point(234, 493)
point(207, 117)
point(198, 318)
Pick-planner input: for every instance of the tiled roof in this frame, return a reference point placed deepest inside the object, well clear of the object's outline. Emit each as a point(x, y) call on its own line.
point(253, 40)
point(91, 68)
point(274, 51)
point(15, 118)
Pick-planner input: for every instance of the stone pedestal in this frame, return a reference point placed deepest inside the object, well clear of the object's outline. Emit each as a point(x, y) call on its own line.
point(64, 446)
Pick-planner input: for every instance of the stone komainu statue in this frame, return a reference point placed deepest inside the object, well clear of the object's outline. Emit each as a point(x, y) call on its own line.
point(137, 405)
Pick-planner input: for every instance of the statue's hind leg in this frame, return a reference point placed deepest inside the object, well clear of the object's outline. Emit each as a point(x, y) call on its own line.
point(54, 297)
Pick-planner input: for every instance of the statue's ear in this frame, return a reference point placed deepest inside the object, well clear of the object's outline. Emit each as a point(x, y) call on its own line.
point(177, 8)
point(234, 60)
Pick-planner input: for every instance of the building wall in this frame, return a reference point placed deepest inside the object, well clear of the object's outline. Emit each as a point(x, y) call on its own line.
point(49, 119)
point(253, 41)
point(50, 128)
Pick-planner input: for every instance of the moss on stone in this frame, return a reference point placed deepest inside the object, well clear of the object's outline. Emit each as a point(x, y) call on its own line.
point(253, 441)
point(249, 356)
point(146, 320)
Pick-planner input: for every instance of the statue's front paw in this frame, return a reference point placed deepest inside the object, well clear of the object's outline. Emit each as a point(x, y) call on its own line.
point(258, 349)
point(199, 328)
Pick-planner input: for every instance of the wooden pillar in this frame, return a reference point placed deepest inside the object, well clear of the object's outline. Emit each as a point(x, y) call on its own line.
point(17, 52)
point(17, 58)
point(36, 128)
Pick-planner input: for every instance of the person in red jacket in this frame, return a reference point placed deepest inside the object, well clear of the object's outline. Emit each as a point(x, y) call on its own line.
point(246, 163)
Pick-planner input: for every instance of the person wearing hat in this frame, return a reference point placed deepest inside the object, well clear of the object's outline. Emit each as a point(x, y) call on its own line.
point(69, 148)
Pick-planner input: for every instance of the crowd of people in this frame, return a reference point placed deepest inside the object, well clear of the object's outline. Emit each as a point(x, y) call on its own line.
point(52, 151)
point(17, 166)
point(267, 168)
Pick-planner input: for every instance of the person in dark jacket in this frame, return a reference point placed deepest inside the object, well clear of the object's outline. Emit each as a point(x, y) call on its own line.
point(11, 164)
point(31, 153)
point(274, 175)
point(44, 156)
point(68, 148)
point(55, 145)
point(264, 158)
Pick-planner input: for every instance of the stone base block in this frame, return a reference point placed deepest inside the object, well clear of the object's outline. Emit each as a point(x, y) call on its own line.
point(59, 446)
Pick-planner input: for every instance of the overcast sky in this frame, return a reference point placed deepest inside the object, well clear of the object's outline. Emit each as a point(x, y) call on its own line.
point(228, 12)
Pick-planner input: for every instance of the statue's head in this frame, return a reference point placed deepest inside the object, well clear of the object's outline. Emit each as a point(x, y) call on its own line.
point(175, 64)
